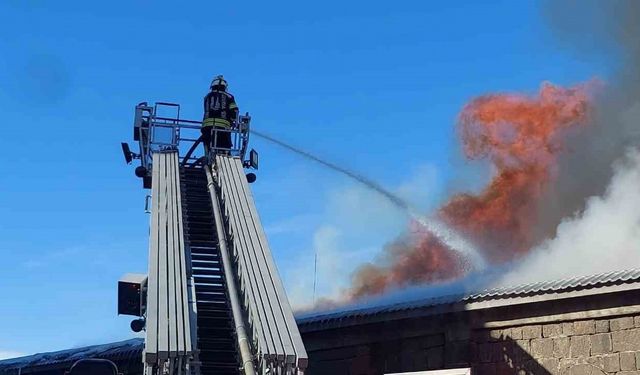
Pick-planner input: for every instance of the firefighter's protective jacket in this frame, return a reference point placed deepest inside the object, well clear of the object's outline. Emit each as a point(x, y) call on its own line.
point(220, 109)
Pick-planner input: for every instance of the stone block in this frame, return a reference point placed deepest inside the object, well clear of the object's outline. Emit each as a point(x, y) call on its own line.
point(503, 352)
point(567, 363)
point(584, 327)
point(487, 369)
point(506, 333)
point(474, 349)
point(628, 373)
point(580, 346)
point(636, 321)
point(583, 369)
point(567, 329)
point(507, 356)
point(597, 362)
point(409, 345)
point(485, 352)
point(550, 364)
point(516, 333)
point(602, 326)
point(523, 346)
point(434, 340)
point(408, 357)
point(521, 350)
point(504, 369)
point(435, 357)
point(638, 360)
point(533, 367)
point(531, 332)
point(561, 347)
point(620, 324)
point(458, 332)
point(552, 330)
point(601, 343)
point(457, 353)
point(611, 362)
point(626, 341)
point(480, 336)
point(627, 361)
point(542, 348)
point(496, 335)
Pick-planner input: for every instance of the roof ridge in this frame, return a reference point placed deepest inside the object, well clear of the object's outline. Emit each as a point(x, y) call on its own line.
point(583, 280)
point(579, 282)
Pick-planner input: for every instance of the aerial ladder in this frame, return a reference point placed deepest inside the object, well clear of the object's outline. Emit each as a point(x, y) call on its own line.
point(212, 301)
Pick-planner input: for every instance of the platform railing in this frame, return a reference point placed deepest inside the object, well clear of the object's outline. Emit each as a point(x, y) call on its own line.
point(156, 131)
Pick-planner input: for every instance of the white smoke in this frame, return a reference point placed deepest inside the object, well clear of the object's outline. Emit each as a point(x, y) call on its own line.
point(357, 223)
point(605, 236)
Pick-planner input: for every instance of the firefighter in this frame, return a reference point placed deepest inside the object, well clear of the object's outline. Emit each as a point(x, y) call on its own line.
point(220, 112)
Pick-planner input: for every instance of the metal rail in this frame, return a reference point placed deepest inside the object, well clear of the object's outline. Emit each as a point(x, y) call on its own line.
point(275, 333)
point(168, 343)
point(236, 308)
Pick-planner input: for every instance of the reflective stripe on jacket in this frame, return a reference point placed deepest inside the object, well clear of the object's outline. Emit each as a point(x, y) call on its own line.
point(216, 122)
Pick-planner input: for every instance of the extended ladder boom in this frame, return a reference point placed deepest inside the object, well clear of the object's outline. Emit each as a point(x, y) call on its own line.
point(215, 302)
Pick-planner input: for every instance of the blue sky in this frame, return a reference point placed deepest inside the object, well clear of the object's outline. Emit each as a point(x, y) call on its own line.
point(376, 88)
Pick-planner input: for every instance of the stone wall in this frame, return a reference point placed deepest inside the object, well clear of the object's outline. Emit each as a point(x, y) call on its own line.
point(603, 346)
point(589, 336)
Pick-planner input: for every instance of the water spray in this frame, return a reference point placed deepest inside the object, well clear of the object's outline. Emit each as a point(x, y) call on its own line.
point(439, 229)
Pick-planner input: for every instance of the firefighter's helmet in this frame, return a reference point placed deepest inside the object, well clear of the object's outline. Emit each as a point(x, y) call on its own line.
point(219, 83)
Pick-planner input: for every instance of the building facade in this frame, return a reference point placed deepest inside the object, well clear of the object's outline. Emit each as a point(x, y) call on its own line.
point(580, 326)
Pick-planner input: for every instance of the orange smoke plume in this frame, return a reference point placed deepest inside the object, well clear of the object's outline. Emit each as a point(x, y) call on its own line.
point(521, 136)
point(418, 258)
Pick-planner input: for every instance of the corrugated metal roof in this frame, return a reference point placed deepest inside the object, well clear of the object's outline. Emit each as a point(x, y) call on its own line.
point(117, 351)
point(582, 282)
point(539, 288)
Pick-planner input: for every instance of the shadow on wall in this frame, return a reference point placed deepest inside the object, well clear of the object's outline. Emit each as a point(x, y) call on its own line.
point(507, 356)
point(503, 355)
point(513, 358)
